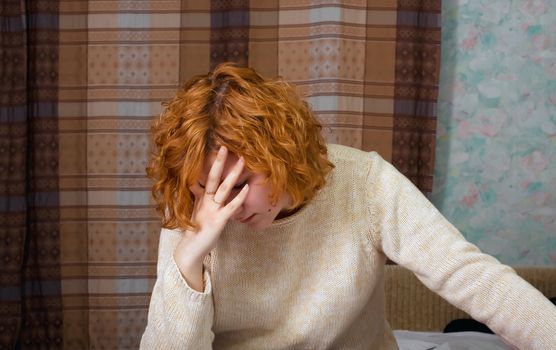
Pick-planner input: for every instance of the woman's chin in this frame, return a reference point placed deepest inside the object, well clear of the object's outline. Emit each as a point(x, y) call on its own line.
point(258, 225)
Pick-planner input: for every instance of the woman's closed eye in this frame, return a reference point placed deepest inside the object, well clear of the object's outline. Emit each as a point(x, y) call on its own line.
point(237, 187)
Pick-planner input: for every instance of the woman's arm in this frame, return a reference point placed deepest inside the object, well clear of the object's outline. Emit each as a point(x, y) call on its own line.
point(181, 310)
point(413, 233)
point(179, 316)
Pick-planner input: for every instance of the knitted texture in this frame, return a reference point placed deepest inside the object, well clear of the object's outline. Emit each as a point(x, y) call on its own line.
point(410, 305)
point(315, 280)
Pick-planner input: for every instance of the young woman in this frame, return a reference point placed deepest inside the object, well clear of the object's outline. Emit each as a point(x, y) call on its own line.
point(273, 240)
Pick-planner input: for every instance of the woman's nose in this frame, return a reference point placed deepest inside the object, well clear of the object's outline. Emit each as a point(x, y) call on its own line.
point(232, 195)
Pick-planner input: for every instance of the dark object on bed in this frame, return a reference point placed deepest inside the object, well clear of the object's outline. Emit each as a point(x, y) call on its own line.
point(466, 325)
point(411, 306)
point(470, 325)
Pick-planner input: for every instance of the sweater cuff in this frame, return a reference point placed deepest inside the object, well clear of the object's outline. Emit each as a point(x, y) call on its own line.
point(191, 293)
point(186, 312)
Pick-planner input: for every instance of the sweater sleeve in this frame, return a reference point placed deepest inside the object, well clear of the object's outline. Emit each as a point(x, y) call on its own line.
point(408, 229)
point(179, 317)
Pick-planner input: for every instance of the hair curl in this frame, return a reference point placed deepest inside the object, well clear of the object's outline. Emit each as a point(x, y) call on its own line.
point(264, 120)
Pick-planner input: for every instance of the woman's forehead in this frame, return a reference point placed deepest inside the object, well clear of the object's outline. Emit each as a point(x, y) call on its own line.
point(231, 160)
point(211, 156)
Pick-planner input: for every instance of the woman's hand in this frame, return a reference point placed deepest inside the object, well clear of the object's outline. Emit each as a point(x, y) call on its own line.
point(211, 212)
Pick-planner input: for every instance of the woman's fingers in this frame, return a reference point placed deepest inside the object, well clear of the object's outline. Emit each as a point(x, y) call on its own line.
point(231, 208)
point(215, 173)
point(215, 207)
point(229, 182)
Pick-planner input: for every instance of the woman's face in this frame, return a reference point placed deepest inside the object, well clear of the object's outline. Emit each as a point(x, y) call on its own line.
point(256, 211)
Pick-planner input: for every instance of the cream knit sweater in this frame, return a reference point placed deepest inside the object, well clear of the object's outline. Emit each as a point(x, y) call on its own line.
point(314, 280)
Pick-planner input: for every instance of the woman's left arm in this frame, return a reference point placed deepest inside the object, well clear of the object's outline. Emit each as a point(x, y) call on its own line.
point(413, 233)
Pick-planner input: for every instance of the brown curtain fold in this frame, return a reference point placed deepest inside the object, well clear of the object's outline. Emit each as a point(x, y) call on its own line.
point(30, 282)
point(416, 90)
point(229, 32)
point(74, 125)
point(82, 81)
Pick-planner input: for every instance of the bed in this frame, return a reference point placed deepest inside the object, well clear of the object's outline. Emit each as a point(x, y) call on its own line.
point(419, 316)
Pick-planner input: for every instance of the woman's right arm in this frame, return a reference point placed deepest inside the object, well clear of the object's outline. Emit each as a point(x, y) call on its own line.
point(181, 310)
point(179, 317)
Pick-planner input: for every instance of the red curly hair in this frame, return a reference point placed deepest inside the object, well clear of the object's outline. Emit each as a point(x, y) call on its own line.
point(263, 120)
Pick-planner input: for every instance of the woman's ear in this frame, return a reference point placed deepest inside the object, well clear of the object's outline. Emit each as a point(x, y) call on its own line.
point(197, 190)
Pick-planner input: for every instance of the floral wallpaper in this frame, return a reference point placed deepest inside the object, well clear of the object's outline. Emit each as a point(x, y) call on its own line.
point(495, 175)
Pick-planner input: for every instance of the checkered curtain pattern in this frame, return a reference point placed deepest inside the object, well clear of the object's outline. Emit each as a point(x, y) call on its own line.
point(82, 81)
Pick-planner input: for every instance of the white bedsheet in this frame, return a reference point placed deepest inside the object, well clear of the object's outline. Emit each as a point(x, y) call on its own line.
point(410, 340)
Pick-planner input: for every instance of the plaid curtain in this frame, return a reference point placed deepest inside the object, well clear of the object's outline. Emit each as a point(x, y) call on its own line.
point(82, 81)
point(30, 276)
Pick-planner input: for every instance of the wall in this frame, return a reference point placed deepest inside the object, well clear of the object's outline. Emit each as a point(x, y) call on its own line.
point(495, 173)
